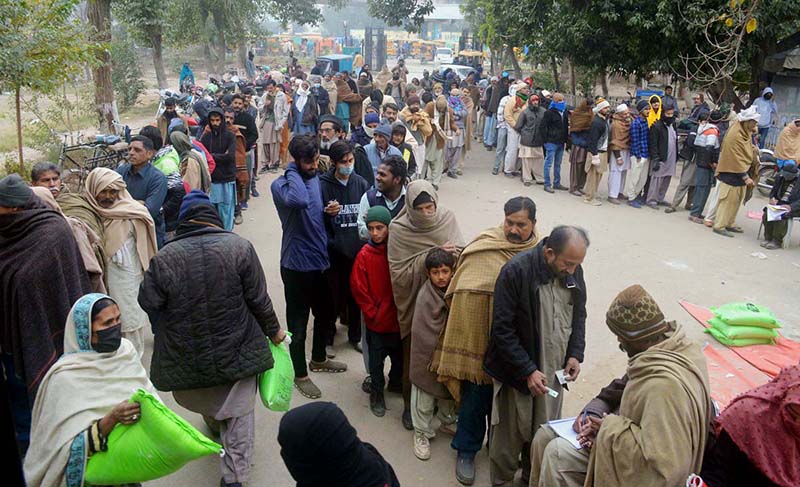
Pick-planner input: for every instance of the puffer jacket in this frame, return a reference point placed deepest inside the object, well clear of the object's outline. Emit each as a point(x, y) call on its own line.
point(206, 296)
point(529, 126)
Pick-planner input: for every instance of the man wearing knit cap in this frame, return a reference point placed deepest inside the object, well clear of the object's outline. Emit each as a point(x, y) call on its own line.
point(538, 328)
point(379, 149)
point(598, 147)
point(655, 433)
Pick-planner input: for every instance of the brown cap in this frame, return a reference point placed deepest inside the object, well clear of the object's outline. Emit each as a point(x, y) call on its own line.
point(635, 315)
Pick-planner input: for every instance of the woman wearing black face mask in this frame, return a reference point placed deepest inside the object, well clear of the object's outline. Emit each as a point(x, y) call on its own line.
point(84, 395)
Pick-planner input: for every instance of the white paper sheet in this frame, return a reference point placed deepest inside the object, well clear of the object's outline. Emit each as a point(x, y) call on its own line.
point(563, 428)
point(775, 213)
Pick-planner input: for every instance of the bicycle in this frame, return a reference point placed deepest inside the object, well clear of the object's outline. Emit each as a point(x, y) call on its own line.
point(78, 160)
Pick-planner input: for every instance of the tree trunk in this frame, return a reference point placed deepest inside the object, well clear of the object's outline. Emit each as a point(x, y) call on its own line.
point(241, 54)
point(19, 135)
point(573, 82)
point(100, 18)
point(158, 59)
point(219, 23)
point(556, 74)
point(604, 83)
point(515, 63)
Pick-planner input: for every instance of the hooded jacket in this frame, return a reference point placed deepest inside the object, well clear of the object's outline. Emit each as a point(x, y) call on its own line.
point(371, 286)
point(342, 229)
point(221, 143)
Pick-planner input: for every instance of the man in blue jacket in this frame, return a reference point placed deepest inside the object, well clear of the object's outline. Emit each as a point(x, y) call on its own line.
point(304, 262)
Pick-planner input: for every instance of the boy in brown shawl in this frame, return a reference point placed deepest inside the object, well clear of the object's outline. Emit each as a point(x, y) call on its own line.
point(430, 315)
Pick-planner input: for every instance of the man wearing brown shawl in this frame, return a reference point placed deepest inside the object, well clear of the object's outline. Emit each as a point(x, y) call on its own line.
point(458, 359)
point(647, 428)
point(42, 275)
point(737, 156)
point(788, 148)
point(129, 244)
point(619, 161)
point(420, 226)
point(346, 95)
point(580, 123)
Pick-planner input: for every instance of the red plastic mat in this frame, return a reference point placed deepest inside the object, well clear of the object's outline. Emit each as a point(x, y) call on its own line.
point(769, 359)
point(729, 374)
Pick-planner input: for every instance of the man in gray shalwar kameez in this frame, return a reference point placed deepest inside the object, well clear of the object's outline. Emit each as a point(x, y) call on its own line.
point(663, 143)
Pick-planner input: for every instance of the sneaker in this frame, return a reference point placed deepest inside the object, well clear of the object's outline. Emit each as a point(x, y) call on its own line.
point(254, 192)
point(330, 352)
point(495, 171)
point(357, 347)
point(222, 483)
point(527, 184)
point(422, 447)
point(592, 202)
point(395, 387)
point(558, 187)
point(307, 388)
point(327, 366)
point(652, 205)
point(613, 201)
point(407, 423)
point(243, 205)
point(634, 204)
point(735, 229)
point(550, 190)
point(509, 175)
point(237, 220)
point(695, 219)
point(452, 175)
point(376, 403)
point(366, 386)
point(263, 170)
point(465, 469)
point(670, 209)
point(722, 232)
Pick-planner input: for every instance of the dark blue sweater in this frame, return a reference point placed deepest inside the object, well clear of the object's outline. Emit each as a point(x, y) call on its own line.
point(304, 245)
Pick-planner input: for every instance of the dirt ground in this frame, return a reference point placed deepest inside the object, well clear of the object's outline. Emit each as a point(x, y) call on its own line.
point(671, 257)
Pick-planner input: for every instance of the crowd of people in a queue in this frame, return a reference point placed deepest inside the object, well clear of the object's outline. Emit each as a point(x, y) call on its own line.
point(482, 335)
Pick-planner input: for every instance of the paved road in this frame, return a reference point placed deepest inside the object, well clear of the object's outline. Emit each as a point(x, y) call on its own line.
point(671, 257)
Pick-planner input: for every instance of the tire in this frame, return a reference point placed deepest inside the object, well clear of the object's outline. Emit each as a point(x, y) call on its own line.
point(766, 178)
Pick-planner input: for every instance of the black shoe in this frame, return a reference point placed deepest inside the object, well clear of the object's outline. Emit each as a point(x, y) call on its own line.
point(407, 423)
point(376, 403)
point(559, 187)
point(223, 484)
point(254, 192)
point(549, 189)
point(394, 388)
point(366, 386)
point(465, 470)
point(263, 170)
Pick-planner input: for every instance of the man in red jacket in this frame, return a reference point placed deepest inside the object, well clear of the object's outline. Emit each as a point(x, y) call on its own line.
point(371, 286)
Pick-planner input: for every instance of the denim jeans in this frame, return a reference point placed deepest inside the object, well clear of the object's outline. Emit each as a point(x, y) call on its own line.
point(762, 136)
point(476, 409)
point(500, 152)
point(490, 130)
point(553, 153)
point(703, 178)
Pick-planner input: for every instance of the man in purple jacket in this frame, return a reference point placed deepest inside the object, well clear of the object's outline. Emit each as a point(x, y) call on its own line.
point(304, 261)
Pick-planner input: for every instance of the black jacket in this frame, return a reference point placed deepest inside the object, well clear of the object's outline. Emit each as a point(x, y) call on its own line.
point(513, 351)
point(529, 126)
point(247, 126)
point(658, 141)
point(362, 166)
point(787, 194)
point(498, 93)
point(221, 144)
point(206, 296)
point(342, 229)
point(555, 127)
point(597, 132)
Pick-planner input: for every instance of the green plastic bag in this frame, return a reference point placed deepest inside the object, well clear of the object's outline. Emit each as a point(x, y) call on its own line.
point(746, 314)
point(276, 384)
point(741, 331)
point(737, 342)
point(160, 443)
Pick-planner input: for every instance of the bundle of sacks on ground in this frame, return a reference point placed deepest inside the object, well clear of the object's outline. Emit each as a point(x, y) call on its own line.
point(742, 324)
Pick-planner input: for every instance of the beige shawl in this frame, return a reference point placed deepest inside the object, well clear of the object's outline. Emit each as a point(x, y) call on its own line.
point(124, 210)
point(333, 93)
point(789, 143)
point(88, 241)
point(738, 153)
point(412, 235)
point(463, 342)
point(80, 388)
point(620, 138)
point(430, 315)
point(659, 435)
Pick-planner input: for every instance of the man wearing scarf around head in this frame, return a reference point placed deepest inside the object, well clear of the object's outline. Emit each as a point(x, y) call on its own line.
point(663, 145)
point(555, 132)
point(455, 140)
point(530, 142)
point(647, 428)
point(518, 97)
point(738, 157)
point(420, 226)
point(209, 346)
point(130, 242)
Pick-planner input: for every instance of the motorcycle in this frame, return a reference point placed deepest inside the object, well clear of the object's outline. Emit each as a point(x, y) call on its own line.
point(767, 170)
point(184, 101)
